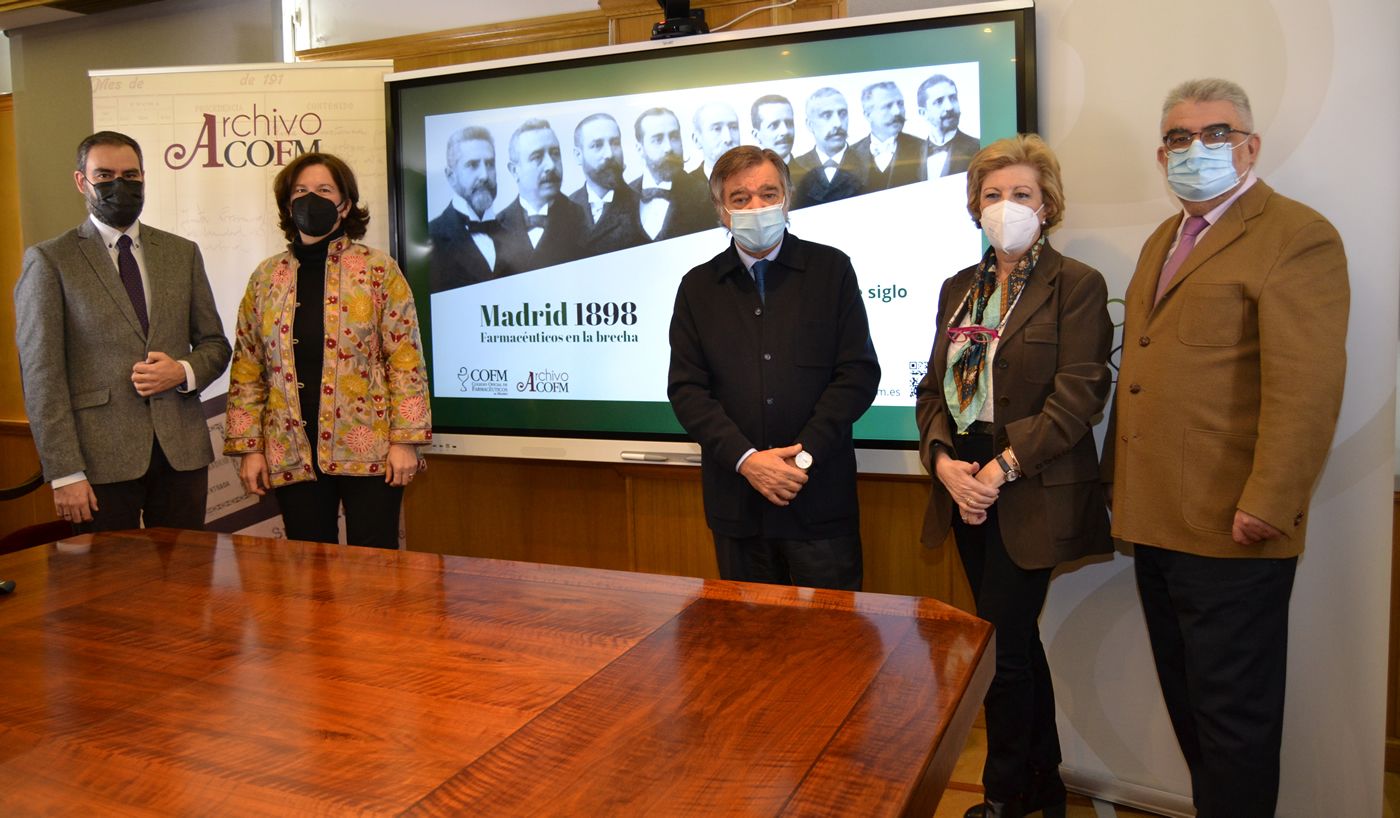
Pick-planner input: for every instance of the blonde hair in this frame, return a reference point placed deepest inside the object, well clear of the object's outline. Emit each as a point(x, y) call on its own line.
point(1022, 149)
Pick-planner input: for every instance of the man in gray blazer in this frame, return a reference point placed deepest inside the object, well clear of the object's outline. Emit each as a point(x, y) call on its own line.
point(117, 334)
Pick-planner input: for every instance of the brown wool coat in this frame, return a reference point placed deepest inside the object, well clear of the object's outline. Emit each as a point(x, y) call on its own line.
point(1229, 388)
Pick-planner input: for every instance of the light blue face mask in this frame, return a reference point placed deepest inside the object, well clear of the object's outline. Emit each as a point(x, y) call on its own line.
point(1200, 173)
point(759, 229)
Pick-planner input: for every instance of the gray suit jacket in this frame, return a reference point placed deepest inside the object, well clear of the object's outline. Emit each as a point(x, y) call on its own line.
point(78, 338)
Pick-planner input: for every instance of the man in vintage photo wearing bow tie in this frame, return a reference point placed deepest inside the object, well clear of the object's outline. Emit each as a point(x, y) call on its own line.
point(466, 237)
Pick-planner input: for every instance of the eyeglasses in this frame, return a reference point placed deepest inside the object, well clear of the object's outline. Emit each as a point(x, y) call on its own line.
point(973, 334)
point(1212, 136)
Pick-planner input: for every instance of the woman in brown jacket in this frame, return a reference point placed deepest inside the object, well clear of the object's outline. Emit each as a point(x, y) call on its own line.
point(1017, 376)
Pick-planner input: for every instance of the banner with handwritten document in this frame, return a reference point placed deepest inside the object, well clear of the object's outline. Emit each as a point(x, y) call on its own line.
point(213, 139)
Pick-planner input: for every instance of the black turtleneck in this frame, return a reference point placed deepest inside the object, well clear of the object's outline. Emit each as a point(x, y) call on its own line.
point(309, 326)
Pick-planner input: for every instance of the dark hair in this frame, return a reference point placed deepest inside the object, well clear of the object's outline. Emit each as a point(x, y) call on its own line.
point(739, 159)
point(927, 85)
point(107, 138)
point(591, 118)
point(650, 112)
point(354, 221)
point(766, 99)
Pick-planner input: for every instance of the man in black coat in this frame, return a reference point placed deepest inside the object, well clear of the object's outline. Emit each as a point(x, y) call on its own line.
point(830, 170)
point(543, 227)
point(892, 156)
point(771, 365)
point(468, 246)
point(947, 150)
point(673, 202)
point(610, 207)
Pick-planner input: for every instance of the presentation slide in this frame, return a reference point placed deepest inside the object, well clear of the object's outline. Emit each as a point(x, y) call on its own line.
point(548, 212)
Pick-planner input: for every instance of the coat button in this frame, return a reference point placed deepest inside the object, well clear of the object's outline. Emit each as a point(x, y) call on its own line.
point(1002, 364)
point(1144, 341)
point(758, 311)
point(769, 401)
point(1134, 388)
point(1004, 401)
point(767, 356)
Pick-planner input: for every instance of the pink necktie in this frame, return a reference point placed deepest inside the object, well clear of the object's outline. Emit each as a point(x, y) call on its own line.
point(1193, 228)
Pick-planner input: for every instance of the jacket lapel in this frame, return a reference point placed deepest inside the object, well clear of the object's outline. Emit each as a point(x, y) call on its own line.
point(1036, 292)
point(1228, 228)
point(94, 249)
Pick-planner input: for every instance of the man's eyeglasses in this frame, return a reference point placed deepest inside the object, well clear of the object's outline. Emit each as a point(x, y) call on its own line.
point(1212, 136)
point(973, 334)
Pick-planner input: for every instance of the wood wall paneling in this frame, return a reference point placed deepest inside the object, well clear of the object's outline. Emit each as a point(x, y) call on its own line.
point(18, 462)
point(1392, 715)
point(11, 253)
point(616, 21)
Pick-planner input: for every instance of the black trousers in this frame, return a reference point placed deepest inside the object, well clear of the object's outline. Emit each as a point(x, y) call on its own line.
point(1023, 744)
point(160, 497)
point(1219, 632)
point(311, 510)
point(829, 563)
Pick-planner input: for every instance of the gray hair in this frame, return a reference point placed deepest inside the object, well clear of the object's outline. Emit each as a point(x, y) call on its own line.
point(471, 133)
point(1211, 90)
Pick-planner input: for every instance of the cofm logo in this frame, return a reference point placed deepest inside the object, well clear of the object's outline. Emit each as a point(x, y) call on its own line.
point(255, 140)
point(545, 380)
point(483, 379)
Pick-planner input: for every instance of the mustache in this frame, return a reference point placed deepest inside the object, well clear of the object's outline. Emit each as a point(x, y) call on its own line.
point(834, 133)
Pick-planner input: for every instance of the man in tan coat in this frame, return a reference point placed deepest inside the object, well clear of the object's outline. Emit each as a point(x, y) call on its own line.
point(1231, 378)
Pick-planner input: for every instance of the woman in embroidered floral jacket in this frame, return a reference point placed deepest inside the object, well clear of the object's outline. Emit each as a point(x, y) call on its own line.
point(328, 393)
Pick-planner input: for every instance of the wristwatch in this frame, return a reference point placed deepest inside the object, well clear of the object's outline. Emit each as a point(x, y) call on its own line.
point(803, 460)
point(1011, 473)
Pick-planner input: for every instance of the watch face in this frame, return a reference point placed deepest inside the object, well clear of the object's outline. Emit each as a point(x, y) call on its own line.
point(803, 460)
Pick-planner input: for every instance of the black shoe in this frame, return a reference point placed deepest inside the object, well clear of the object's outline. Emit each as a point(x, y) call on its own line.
point(1046, 795)
point(995, 809)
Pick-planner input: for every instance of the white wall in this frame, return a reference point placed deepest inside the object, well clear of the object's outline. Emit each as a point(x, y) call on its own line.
point(6, 84)
point(1320, 75)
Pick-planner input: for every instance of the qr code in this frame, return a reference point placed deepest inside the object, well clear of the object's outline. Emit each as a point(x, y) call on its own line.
point(917, 371)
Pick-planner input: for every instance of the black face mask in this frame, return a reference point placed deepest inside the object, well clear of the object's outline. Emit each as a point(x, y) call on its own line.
point(117, 203)
point(314, 215)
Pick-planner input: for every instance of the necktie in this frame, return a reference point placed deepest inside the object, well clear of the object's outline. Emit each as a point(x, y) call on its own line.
point(535, 222)
point(488, 226)
point(131, 279)
point(829, 169)
point(760, 267)
point(1192, 229)
point(655, 193)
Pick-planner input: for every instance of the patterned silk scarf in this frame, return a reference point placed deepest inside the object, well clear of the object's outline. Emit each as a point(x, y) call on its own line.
point(966, 382)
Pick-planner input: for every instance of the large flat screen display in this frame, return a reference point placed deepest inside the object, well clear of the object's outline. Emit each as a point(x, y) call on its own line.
point(546, 210)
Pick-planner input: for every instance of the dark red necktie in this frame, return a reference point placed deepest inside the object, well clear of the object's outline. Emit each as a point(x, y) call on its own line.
point(131, 280)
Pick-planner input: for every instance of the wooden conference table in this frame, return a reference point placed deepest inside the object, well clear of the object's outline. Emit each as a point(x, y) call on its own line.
point(180, 673)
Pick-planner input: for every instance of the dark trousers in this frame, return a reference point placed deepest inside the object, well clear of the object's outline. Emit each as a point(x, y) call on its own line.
point(311, 510)
point(160, 497)
point(829, 563)
point(1219, 632)
point(1023, 744)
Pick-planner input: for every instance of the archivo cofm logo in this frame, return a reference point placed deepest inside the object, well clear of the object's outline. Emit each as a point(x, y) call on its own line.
point(544, 380)
point(484, 381)
point(254, 140)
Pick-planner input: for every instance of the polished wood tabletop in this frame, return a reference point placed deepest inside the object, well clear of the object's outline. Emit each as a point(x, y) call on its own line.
point(170, 672)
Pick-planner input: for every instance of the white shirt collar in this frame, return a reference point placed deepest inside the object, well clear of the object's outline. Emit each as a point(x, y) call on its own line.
point(822, 158)
point(650, 181)
point(110, 234)
point(461, 206)
point(749, 260)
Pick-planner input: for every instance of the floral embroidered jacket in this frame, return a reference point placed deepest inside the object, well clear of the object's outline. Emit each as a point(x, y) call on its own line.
point(374, 385)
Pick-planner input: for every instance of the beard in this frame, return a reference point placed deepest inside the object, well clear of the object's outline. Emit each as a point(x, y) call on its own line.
point(606, 174)
point(666, 167)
